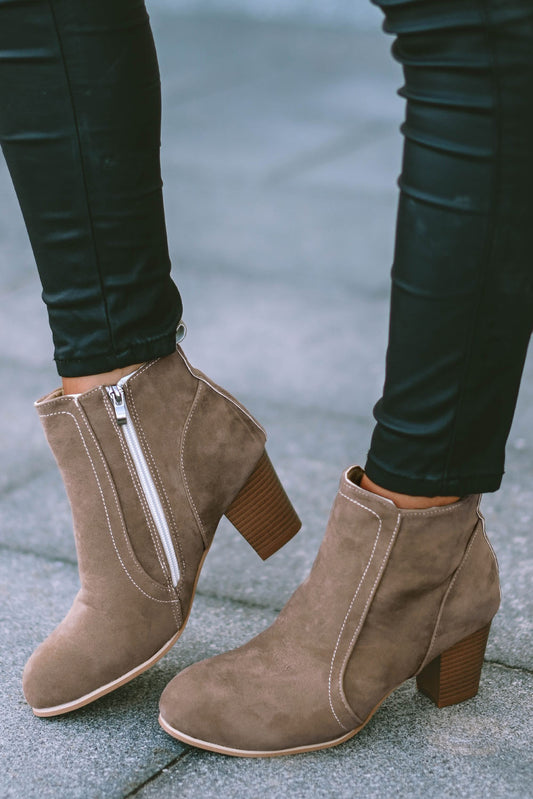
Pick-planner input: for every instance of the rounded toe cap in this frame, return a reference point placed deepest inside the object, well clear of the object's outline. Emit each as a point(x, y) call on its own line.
point(182, 705)
point(41, 683)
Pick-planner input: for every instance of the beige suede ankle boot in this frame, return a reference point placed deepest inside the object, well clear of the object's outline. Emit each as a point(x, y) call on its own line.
point(150, 466)
point(392, 594)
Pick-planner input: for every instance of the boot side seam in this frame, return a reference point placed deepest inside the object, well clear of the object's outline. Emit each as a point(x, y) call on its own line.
point(233, 408)
point(185, 431)
point(365, 609)
point(45, 401)
point(428, 656)
point(493, 553)
point(154, 599)
point(146, 511)
point(222, 393)
point(363, 614)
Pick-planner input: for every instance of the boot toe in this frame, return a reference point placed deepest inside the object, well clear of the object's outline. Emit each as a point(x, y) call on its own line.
point(88, 655)
point(46, 682)
point(244, 702)
point(192, 706)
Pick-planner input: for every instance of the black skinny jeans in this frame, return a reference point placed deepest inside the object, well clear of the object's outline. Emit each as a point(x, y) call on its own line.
point(80, 131)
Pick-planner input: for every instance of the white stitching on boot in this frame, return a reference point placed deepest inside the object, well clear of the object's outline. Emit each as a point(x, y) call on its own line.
point(221, 393)
point(182, 466)
point(351, 603)
point(363, 616)
point(173, 602)
point(172, 593)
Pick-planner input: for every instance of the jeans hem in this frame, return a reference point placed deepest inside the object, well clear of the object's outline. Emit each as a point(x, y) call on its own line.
point(460, 485)
point(136, 353)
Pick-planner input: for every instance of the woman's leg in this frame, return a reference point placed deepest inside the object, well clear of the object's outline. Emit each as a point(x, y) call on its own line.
point(153, 460)
point(396, 592)
point(462, 278)
point(80, 118)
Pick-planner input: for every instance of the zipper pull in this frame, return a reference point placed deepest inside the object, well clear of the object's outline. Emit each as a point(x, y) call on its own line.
point(119, 403)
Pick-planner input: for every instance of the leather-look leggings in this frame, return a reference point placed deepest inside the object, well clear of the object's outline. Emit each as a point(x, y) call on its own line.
point(80, 131)
point(462, 277)
point(80, 126)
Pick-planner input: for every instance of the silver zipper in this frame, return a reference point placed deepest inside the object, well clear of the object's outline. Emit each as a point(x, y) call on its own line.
point(149, 489)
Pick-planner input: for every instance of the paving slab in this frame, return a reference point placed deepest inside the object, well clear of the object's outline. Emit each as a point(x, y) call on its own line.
point(25, 452)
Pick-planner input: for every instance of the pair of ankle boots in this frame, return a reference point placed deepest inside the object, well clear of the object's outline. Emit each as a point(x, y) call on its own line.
point(150, 465)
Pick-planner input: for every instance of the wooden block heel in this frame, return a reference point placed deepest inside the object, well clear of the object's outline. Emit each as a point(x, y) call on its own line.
point(262, 512)
point(454, 675)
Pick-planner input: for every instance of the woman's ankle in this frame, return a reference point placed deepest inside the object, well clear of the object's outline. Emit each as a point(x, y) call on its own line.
point(405, 501)
point(78, 385)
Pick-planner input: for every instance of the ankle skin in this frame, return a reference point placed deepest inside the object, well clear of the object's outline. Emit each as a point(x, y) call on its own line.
point(406, 501)
point(79, 385)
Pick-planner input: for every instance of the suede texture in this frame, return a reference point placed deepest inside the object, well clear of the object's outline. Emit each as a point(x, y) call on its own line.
point(388, 589)
point(127, 609)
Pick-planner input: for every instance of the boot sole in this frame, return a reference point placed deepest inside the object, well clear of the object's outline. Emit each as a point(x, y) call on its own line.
point(226, 750)
point(450, 678)
point(67, 707)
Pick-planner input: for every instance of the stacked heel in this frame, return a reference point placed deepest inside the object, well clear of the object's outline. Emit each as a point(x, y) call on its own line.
point(454, 675)
point(262, 512)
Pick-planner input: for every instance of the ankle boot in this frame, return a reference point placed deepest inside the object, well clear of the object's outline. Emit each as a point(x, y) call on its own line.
point(150, 466)
point(392, 594)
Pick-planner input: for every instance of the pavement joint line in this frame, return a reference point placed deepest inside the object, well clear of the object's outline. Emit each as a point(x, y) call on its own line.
point(41, 555)
point(522, 669)
point(204, 594)
point(344, 144)
point(243, 602)
point(187, 751)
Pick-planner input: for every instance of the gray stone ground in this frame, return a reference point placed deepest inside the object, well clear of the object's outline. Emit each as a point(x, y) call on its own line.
point(280, 154)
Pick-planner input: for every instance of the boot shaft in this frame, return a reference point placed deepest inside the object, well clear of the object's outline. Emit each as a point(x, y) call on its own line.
point(194, 446)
